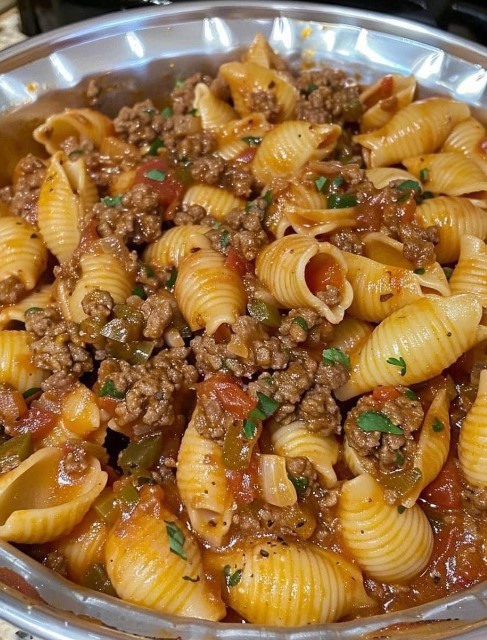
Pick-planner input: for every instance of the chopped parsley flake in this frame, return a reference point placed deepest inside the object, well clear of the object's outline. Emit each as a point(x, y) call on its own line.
point(172, 279)
point(377, 421)
point(401, 508)
point(337, 182)
point(438, 425)
point(333, 355)
point(409, 393)
point(176, 539)
point(252, 141)
point(424, 174)
point(409, 185)
point(300, 483)
point(139, 291)
point(112, 201)
point(398, 362)
point(232, 579)
point(268, 197)
point(321, 183)
point(155, 174)
point(33, 310)
point(155, 146)
point(178, 84)
point(224, 238)
point(266, 407)
point(166, 112)
point(249, 428)
point(311, 87)
point(342, 200)
point(301, 322)
point(419, 271)
point(400, 459)
point(30, 392)
point(109, 389)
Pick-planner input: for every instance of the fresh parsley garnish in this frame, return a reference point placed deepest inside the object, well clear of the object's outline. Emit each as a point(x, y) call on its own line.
point(176, 539)
point(155, 146)
point(193, 112)
point(249, 428)
point(109, 389)
point(172, 279)
point(311, 87)
point(112, 201)
point(178, 84)
point(252, 141)
point(410, 395)
point(333, 355)
point(437, 425)
point(224, 238)
point(342, 200)
point(419, 271)
point(300, 483)
point(33, 310)
point(409, 185)
point(398, 362)
point(401, 508)
point(268, 197)
point(232, 579)
point(30, 392)
point(378, 421)
point(139, 291)
point(301, 322)
point(155, 174)
point(448, 272)
point(266, 407)
point(400, 459)
point(337, 182)
point(424, 174)
point(321, 183)
point(166, 112)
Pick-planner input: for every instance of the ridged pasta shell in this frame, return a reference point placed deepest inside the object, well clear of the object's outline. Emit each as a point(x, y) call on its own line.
point(470, 273)
point(217, 202)
point(231, 138)
point(382, 176)
point(275, 486)
point(208, 293)
point(39, 502)
point(82, 123)
point(470, 138)
point(213, 112)
point(442, 328)
point(203, 486)
point(350, 334)
point(261, 53)
point(420, 127)
point(175, 244)
point(385, 98)
point(451, 174)
point(389, 546)
point(80, 411)
point(294, 441)
point(84, 546)
point(281, 267)
point(289, 146)
point(65, 195)
point(102, 271)
point(23, 252)
point(315, 222)
point(16, 312)
point(244, 78)
point(151, 575)
point(454, 217)
point(472, 444)
point(16, 367)
point(433, 445)
point(321, 585)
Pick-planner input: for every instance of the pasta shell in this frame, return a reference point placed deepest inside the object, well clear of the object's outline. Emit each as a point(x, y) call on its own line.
point(433, 445)
point(350, 334)
point(470, 273)
point(322, 585)
point(261, 53)
point(154, 576)
point(443, 328)
point(281, 267)
point(84, 546)
point(213, 112)
point(65, 195)
point(472, 444)
point(23, 252)
point(382, 176)
point(233, 138)
point(209, 293)
point(454, 217)
point(294, 441)
point(389, 546)
point(82, 123)
point(245, 78)
point(102, 271)
point(16, 312)
point(449, 173)
point(80, 411)
point(217, 202)
point(39, 502)
point(16, 367)
point(289, 146)
point(315, 222)
point(203, 486)
point(420, 127)
point(470, 138)
point(384, 99)
point(275, 486)
point(175, 244)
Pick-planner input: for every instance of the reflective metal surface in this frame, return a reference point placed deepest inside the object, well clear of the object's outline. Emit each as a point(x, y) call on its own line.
point(142, 52)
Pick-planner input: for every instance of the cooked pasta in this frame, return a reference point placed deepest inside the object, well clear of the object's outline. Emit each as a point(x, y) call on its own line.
point(243, 346)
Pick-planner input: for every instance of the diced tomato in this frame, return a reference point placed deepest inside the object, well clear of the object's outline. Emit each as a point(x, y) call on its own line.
point(89, 235)
point(243, 483)
point(446, 490)
point(230, 395)
point(108, 404)
point(407, 209)
point(247, 155)
point(38, 422)
point(238, 263)
point(385, 394)
point(323, 271)
point(12, 406)
point(168, 188)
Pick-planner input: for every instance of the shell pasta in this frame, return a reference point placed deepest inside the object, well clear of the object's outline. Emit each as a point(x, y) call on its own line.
point(243, 345)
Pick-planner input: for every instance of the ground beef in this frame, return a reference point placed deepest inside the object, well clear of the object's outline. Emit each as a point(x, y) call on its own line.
point(250, 350)
point(189, 214)
point(75, 463)
point(328, 95)
point(266, 519)
point(419, 244)
point(301, 467)
point(98, 304)
point(179, 127)
point(319, 411)
point(137, 218)
point(384, 447)
point(60, 382)
point(10, 411)
point(195, 146)
point(158, 311)
point(154, 393)
point(330, 295)
point(263, 101)
point(207, 169)
point(347, 240)
point(140, 124)
point(212, 421)
point(92, 93)
point(250, 236)
point(238, 179)
point(298, 324)
point(11, 290)
point(477, 497)
point(30, 173)
point(182, 96)
point(59, 346)
point(101, 168)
